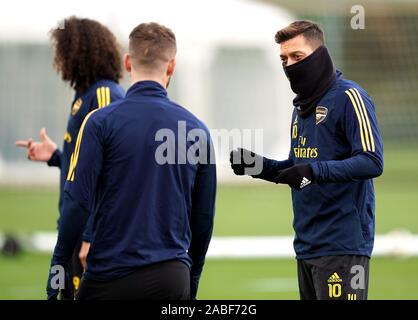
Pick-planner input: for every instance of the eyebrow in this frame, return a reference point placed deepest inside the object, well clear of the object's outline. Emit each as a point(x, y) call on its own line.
point(292, 53)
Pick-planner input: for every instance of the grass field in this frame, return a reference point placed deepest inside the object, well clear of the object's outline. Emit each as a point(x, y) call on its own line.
point(255, 209)
point(24, 278)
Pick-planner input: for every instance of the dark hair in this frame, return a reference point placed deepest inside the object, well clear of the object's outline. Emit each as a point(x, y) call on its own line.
point(151, 44)
point(86, 51)
point(311, 31)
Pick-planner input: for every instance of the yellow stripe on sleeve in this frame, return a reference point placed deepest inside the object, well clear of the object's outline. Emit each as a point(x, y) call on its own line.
point(367, 120)
point(74, 156)
point(358, 118)
point(103, 94)
point(70, 169)
point(107, 96)
point(363, 118)
point(99, 98)
point(103, 97)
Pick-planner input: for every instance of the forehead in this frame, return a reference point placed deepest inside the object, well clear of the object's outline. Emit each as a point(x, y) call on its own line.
point(297, 43)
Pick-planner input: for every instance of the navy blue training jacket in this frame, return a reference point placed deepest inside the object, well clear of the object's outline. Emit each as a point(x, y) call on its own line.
point(341, 141)
point(144, 211)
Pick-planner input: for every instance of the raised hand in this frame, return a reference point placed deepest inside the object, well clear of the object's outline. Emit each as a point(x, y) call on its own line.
point(245, 162)
point(39, 151)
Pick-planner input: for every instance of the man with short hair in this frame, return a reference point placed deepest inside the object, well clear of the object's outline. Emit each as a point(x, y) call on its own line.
point(336, 151)
point(152, 212)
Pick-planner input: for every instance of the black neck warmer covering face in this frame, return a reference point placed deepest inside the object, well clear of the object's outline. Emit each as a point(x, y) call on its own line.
point(310, 79)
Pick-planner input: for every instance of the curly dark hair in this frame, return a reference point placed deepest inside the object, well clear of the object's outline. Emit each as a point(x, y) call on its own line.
point(85, 51)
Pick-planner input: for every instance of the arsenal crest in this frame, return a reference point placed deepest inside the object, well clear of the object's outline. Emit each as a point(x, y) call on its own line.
point(76, 106)
point(321, 114)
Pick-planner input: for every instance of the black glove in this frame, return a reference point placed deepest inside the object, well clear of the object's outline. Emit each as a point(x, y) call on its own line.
point(244, 161)
point(297, 177)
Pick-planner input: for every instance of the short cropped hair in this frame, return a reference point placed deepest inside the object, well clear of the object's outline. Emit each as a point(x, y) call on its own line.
point(151, 45)
point(311, 31)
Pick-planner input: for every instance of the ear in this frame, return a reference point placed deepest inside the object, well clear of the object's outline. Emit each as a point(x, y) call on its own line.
point(171, 67)
point(127, 62)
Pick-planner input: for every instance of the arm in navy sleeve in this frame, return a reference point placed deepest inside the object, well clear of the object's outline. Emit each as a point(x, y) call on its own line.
point(271, 167)
point(88, 230)
point(55, 160)
point(79, 193)
point(72, 223)
point(201, 221)
point(362, 132)
point(100, 101)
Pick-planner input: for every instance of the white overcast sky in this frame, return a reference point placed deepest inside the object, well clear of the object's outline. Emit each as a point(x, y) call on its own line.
point(28, 20)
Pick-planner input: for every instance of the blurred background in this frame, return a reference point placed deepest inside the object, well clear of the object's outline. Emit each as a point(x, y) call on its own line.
point(229, 74)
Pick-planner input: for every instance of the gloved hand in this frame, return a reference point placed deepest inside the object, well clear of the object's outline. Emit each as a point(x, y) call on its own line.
point(245, 162)
point(298, 176)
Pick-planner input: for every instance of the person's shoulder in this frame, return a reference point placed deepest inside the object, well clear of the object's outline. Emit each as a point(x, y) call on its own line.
point(193, 121)
point(115, 88)
point(101, 93)
point(106, 83)
point(103, 90)
point(102, 113)
point(351, 97)
point(348, 89)
point(98, 116)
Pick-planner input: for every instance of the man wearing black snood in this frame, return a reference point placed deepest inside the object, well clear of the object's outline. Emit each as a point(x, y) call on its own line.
point(336, 151)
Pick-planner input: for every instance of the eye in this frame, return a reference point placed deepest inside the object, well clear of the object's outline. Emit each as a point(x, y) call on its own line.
point(298, 57)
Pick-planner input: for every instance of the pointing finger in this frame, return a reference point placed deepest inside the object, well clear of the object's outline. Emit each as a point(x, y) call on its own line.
point(22, 143)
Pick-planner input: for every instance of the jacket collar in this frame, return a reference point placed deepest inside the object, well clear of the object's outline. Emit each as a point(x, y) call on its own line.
point(147, 88)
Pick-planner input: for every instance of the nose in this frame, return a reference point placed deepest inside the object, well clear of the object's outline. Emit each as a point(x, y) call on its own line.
point(290, 61)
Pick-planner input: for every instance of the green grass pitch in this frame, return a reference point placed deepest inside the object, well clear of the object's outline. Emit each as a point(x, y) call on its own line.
point(247, 210)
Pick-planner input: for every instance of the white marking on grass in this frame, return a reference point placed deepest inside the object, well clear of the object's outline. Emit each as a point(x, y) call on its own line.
point(396, 243)
point(251, 247)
